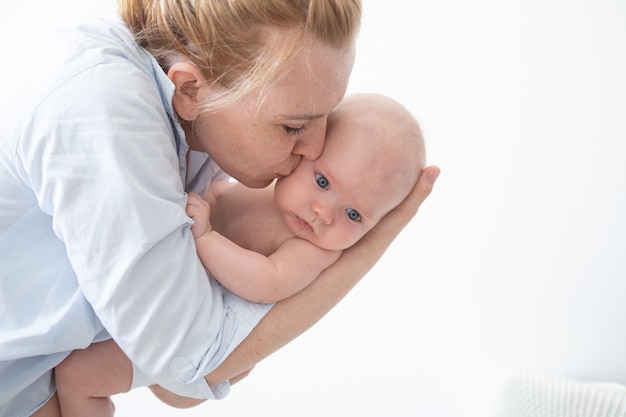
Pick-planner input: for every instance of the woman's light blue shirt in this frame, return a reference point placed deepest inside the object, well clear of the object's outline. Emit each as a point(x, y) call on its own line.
point(93, 229)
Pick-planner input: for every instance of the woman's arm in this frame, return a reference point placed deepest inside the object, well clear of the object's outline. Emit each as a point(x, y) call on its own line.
point(291, 317)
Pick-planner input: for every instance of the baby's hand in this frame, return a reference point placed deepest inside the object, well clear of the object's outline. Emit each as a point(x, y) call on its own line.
point(200, 211)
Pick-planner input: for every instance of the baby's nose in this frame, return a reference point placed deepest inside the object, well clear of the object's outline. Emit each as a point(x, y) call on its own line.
point(323, 213)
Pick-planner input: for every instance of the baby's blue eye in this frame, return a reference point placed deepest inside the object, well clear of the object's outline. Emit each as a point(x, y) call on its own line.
point(353, 215)
point(322, 181)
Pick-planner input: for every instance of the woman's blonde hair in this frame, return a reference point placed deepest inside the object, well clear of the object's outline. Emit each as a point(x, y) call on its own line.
point(227, 39)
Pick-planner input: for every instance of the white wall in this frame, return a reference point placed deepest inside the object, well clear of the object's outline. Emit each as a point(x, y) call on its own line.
point(517, 259)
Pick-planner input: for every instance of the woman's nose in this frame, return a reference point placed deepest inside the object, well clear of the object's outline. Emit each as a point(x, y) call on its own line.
point(311, 146)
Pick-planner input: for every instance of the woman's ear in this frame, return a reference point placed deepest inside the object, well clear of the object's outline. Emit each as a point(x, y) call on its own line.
point(188, 81)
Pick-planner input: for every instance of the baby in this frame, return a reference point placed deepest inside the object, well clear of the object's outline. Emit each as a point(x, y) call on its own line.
point(372, 157)
point(267, 244)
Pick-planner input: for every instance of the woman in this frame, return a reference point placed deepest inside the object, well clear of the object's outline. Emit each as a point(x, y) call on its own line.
point(107, 125)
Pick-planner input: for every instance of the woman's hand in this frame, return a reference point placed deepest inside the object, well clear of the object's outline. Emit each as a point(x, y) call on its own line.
point(390, 225)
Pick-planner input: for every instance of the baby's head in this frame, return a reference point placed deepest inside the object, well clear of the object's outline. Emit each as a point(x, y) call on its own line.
point(373, 154)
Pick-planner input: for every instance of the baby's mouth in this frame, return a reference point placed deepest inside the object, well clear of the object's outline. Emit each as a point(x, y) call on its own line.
point(306, 225)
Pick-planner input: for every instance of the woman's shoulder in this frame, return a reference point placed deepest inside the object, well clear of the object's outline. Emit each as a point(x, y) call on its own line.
point(96, 56)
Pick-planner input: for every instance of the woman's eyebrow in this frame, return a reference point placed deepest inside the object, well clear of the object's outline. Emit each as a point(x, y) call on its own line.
point(303, 116)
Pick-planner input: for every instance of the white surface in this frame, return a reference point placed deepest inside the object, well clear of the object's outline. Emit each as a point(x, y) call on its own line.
point(534, 394)
point(517, 259)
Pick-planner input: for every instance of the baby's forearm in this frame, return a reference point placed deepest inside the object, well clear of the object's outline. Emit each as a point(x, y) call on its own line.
point(246, 273)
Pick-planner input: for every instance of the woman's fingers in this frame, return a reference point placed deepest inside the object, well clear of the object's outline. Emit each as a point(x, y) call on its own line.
point(390, 225)
point(422, 190)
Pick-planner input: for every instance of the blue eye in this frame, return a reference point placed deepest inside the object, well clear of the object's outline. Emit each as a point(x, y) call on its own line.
point(322, 181)
point(353, 215)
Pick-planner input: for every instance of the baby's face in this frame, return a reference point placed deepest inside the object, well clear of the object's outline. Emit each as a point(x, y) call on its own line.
point(334, 200)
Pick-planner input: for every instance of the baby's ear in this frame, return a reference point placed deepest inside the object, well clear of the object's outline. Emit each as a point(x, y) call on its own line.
point(188, 81)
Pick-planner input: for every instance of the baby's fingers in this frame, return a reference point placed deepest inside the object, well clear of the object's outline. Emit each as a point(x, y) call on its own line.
point(195, 200)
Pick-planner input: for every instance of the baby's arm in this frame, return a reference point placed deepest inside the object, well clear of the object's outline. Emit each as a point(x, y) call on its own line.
point(259, 278)
point(249, 274)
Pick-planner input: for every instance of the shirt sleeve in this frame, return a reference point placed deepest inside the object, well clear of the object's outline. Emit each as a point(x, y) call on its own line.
point(100, 155)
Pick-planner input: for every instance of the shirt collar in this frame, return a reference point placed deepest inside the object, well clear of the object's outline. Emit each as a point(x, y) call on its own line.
point(167, 89)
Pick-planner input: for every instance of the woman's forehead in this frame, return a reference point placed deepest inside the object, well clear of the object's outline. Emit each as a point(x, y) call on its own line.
point(315, 82)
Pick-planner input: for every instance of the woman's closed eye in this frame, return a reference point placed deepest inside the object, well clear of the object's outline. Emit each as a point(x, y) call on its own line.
point(295, 131)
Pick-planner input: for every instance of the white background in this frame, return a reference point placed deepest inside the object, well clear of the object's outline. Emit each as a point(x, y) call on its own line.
point(517, 258)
